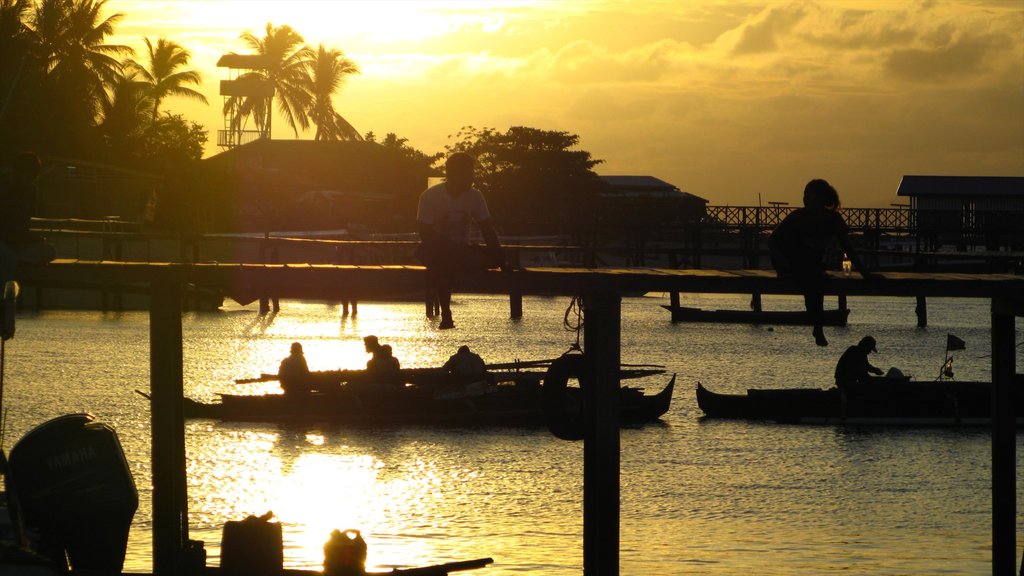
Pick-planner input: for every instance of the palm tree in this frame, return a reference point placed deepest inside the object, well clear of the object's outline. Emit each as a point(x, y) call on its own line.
point(162, 75)
point(14, 44)
point(326, 71)
point(69, 38)
point(125, 111)
point(285, 54)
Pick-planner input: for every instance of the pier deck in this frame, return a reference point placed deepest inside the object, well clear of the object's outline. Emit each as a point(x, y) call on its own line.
point(601, 290)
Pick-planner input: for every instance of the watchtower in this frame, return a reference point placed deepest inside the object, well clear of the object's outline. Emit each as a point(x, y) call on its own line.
point(247, 92)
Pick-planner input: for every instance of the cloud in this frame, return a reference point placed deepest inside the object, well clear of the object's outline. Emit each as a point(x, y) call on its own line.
point(959, 57)
point(762, 34)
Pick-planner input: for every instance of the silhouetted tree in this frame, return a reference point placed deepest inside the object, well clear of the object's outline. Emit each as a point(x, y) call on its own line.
point(286, 69)
point(392, 141)
point(326, 71)
point(69, 39)
point(534, 180)
point(163, 75)
point(126, 110)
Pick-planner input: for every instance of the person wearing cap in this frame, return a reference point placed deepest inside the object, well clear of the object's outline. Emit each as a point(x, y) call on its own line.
point(853, 367)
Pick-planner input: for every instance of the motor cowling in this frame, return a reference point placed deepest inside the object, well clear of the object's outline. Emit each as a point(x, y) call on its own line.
point(75, 491)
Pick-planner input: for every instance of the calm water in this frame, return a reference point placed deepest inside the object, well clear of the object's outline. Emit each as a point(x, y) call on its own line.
point(697, 497)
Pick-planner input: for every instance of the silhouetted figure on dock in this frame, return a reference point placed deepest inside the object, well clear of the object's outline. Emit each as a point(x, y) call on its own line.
point(18, 244)
point(444, 214)
point(799, 243)
point(853, 367)
point(293, 373)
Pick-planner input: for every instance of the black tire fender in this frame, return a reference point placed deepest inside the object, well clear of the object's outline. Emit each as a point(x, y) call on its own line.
point(564, 420)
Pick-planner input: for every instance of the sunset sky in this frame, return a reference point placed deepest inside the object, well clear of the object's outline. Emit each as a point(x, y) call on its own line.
point(736, 102)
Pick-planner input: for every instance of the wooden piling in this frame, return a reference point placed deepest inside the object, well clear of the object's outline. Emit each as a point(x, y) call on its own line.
point(1004, 502)
point(922, 312)
point(602, 332)
point(170, 526)
point(515, 303)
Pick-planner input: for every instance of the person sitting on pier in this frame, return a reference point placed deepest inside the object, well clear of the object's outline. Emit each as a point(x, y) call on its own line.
point(853, 367)
point(18, 244)
point(293, 373)
point(799, 243)
point(444, 214)
point(466, 363)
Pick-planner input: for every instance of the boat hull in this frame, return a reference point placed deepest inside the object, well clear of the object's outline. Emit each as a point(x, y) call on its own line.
point(883, 402)
point(485, 404)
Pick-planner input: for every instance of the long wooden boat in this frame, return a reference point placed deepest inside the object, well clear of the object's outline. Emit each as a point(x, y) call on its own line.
point(835, 317)
point(885, 402)
point(509, 399)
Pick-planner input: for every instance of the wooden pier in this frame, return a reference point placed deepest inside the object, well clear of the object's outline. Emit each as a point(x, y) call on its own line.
point(601, 291)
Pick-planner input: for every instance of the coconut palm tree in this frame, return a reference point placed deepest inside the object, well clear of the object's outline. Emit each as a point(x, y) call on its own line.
point(162, 73)
point(14, 43)
point(284, 54)
point(125, 111)
point(326, 71)
point(69, 39)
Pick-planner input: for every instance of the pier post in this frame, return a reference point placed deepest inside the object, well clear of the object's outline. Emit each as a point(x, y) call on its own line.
point(673, 299)
point(1004, 482)
point(167, 425)
point(601, 333)
point(515, 303)
point(922, 312)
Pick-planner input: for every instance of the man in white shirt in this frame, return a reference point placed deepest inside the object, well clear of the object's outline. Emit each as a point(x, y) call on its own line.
point(444, 214)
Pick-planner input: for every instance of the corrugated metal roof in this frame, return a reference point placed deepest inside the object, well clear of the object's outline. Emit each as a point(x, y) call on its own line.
point(961, 186)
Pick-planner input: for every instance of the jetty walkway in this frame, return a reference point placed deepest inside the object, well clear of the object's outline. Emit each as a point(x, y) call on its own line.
point(601, 290)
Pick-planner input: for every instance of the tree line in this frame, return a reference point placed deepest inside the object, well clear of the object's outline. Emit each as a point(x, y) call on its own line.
point(67, 91)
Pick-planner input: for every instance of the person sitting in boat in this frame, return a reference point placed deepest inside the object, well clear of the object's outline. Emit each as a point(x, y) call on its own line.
point(372, 345)
point(384, 367)
point(853, 367)
point(293, 373)
point(466, 363)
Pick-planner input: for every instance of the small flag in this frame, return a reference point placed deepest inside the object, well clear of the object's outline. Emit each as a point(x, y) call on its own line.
point(954, 343)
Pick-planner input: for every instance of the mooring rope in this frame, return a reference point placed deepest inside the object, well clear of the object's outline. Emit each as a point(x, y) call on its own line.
point(575, 324)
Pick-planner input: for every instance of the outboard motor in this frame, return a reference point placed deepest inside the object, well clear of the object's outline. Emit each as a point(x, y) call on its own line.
point(74, 489)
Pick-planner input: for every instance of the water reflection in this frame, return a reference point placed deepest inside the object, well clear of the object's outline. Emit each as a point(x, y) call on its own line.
point(697, 497)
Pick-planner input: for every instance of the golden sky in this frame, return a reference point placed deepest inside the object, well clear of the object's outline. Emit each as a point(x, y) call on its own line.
point(737, 102)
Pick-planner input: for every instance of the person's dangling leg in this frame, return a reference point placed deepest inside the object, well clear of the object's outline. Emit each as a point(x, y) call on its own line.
point(813, 286)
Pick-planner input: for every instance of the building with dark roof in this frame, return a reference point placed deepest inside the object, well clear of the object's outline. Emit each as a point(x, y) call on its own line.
point(304, 184)
point(649, 200)
point(966, 210)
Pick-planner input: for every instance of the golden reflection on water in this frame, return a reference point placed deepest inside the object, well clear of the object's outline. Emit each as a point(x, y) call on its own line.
point(697, 497)
point(314, 486)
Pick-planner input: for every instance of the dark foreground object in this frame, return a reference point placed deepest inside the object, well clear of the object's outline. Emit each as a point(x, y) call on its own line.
point(885, 402)
point(70, 483)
